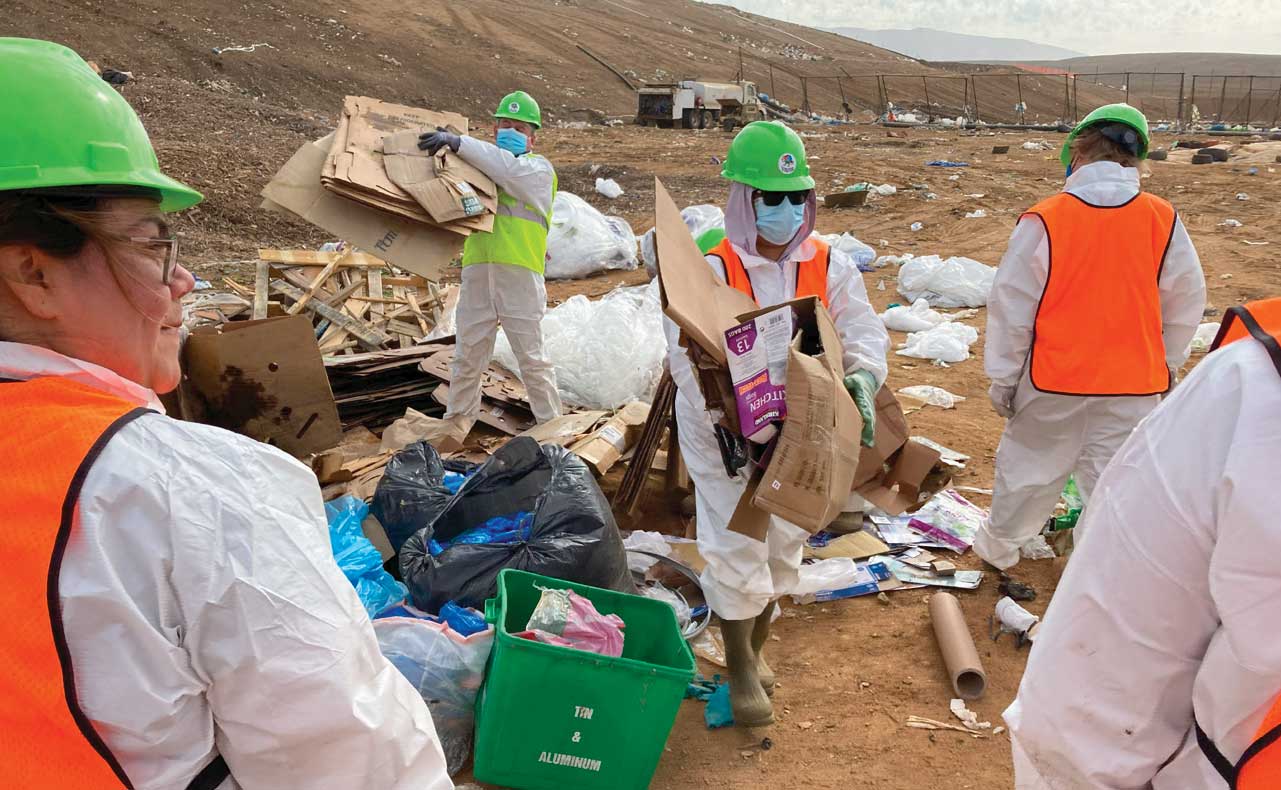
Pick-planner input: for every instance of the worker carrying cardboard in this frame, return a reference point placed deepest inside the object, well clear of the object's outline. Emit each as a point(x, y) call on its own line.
point(1092, 313)
point(768, 254)
point(1158, 664)
point(174, 614)
point(502, 281)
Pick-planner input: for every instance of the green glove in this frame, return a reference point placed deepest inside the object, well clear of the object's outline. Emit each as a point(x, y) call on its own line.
point(861, 386)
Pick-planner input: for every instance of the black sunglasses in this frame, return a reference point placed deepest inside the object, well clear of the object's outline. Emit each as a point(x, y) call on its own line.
point(776, 198)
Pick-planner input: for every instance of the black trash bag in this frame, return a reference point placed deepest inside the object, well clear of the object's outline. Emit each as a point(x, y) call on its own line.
point(574, 535)
point(411, 493)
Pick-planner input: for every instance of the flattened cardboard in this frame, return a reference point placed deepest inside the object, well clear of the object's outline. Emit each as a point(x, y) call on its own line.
point(566, 429)
point(442, 190)
point(855, 545)
point(264, 379)
point(607, 444)
point(296, 189)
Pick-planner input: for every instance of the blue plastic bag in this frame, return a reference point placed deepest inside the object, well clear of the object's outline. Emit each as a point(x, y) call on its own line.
point(357, 558)
point(515, 528)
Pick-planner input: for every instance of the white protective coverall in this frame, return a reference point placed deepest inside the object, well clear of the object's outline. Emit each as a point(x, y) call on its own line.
point(205, 614)
point(500, 293)
point(743, 575)
point(1169, 606)
point(1051, 437)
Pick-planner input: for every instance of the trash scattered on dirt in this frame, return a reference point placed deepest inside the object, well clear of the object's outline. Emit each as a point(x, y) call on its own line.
point(1242, 196)
point(917, 226)
point(1231, 223)
point(1017, 590)
point(931, 396)
point(860, 253)
point(1205, 334)
point(946, 163)
point(609, 188)
point(954, 282)
point(1037, 549)
point(976, 214)
point(917, 318)
point(969, 719)
point(237, 48)
point(1010, 618)
point(922, 723)
point(583, 241)
point(960, 656)
point(948, 343)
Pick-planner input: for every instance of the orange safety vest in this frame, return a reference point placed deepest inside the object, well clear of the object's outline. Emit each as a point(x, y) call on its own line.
point(811, 275)
point(1098, 329)
point(53, 429)
point(1260, 765)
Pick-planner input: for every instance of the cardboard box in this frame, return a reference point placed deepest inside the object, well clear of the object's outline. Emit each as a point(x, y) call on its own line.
point(264, 379)
point(757, 352)
point(606, 445)
point(296, 189)
point(445, 187)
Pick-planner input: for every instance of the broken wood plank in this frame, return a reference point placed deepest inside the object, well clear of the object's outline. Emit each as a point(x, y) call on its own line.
point(237, 288)
point(369, 337)
point(311, 290)
point(261, 289)
point(354, 260)
point(374, 278)
point(412, 295)
point(413, 279)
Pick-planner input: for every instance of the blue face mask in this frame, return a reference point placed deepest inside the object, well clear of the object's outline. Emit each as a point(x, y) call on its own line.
point(512, 141)
point(778, 224)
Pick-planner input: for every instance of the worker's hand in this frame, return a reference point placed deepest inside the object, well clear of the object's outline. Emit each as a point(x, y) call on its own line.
point(1002, 398)
point(861, 386)
point(431, 142)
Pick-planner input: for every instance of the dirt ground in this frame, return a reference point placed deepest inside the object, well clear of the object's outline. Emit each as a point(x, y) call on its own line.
point(852, 671)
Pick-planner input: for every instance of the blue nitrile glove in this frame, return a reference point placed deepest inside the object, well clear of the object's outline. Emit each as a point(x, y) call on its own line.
point(861, 386)
point(431, 142)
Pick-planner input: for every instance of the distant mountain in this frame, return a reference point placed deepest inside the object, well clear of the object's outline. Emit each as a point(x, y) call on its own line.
point(937, 45)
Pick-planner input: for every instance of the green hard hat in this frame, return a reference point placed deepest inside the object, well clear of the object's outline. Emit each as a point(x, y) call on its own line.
point(1111, 113)
point(768, 155)
point(62, 126)
point(709, 238)
point(520, 106)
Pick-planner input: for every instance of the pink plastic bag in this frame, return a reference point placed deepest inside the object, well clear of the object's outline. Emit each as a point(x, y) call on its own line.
point(567, 619)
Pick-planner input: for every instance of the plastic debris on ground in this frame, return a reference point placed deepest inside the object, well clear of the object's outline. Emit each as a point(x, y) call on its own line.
point(609, 188)
point(950, 519)
point(932, 396)
point(573, 537)
point(1242, 196)
point(607, 352)
point(860, 253)
point(1037, 549)
point(1017, 590)
point(976, 214)
point(887, 260)
point(710, 646)
point(670, 597)
point(917, 225)
point(837, 578)
point(357, 558)
point(699, 219)
point(917, 318)
point(1231, 223)
point(949, 457)
point(715, 693)
point(969, 719)
point(1205, 334)
point(653, 542)
point(1037, 145)
point(514, 528)
point(960, 580)
point(583, 241)
point(954, 282)
point(567, 619)
point(447, 669)
point(948, 342)
point(946, 163)
point(1010, 618)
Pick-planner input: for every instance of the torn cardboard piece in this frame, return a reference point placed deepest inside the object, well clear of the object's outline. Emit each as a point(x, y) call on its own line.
point(296, 189)
point(444, 192)
point(445, 435)
point(566, 429)
point(264, 379)
point(607, 444)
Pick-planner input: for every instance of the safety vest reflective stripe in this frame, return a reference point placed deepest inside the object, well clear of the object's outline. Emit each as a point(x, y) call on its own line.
point(53, 430)
point(1098, 328)
point(519, 237)
point(1260, 765)
point(811, 274)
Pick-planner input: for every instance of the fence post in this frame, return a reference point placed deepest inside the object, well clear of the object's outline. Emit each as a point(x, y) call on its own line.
point(974, 90)
point(1127, 87)
point(1277, 117)
point(929, 108)
point(805, 95)
point(1223, 93)
point(1249, 96)
point(1179, 120)
point(1018, 81)
point(773, 95)
point(885, 95)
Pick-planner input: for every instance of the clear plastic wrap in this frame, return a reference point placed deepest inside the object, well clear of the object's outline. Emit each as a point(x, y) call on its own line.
point(608, 352)
point(583, 241)
point(860, 253)
point(699, 219)
point(947, 342)
point(955, 282)
point(917, 318)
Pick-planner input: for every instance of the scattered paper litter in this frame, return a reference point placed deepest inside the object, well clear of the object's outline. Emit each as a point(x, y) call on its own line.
point(932, 396)
point(921, 723)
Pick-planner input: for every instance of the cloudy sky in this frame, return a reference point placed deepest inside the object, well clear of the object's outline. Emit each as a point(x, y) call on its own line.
point(1095, 27)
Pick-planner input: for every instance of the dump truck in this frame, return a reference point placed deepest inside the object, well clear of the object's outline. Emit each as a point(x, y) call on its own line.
point(695, 104)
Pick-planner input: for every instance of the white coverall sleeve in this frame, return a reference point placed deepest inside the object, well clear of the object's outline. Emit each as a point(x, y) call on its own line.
point(863, 336)
point(1182, 296)
point(1106, 699)
point(1012, 304)
point(300, 694)
point(526, 178)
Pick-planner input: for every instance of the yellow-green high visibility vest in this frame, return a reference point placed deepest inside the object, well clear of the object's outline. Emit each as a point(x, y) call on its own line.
point(519, 237)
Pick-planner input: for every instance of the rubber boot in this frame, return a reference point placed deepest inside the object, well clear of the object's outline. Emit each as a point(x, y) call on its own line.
point(760, 635)
point(748, 700)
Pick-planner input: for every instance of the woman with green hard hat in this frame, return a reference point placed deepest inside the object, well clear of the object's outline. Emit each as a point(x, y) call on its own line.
point(1091, 314)
point(175, 617)
point(502, 280)
point(769, 254)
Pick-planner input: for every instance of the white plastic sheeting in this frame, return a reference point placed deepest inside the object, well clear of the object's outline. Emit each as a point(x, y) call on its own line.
point(583, 241)
point(609, 188)
point(955, 282)
point(917, 318)
point(608, 352)
point(947, 342)
point(699, 219)
point(1205, 334)
point(860, 253)
point(932, 396)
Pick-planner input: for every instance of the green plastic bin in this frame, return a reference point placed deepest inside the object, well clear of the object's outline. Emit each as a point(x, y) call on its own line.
point(552, 718)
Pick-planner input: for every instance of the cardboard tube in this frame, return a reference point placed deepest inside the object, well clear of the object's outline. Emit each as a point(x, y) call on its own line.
point(969, 681)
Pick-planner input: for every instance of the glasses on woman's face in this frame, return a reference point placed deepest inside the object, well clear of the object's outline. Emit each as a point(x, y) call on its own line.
point(776, 198)
point(166, 246)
